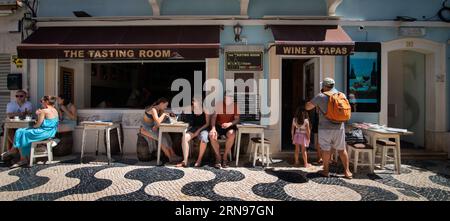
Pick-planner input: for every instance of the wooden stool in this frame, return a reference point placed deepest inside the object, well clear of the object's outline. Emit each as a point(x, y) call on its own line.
point(359, 149)
point(265, 151)
point(49, 143)
point(386, 146)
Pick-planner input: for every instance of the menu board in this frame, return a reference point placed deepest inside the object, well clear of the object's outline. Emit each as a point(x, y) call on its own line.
point(66, 83)
point(244, 61)
point(248, 101)
point(363, 77)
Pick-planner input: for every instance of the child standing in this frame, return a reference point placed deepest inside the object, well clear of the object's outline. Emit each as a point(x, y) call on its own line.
point(301, 134)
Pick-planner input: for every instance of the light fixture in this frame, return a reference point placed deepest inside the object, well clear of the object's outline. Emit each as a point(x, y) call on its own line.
point(237, 32)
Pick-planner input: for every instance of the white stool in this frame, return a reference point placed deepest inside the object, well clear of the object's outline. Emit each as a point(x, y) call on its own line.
point(386, 146)
point(265, 151)
point(360, 149)
point(50, 143)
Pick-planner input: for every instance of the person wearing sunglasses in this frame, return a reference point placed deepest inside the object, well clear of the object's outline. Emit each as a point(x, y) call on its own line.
point(20, 107)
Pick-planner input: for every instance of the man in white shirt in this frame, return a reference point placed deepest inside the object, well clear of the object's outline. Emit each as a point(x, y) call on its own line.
point(20, 106)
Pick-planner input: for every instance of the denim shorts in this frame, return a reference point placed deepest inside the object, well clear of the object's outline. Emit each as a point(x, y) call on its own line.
point(203, 136)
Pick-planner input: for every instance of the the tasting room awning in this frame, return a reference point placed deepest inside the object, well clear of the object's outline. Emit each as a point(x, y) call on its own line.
point(321, 40)
point(131, 42)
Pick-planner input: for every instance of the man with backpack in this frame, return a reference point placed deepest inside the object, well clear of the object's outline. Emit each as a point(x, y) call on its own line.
point(334, 110)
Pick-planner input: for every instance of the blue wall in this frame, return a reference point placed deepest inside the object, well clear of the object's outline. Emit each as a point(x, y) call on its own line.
point(64, 8)
point(255, 35)
point(259, 8)
point(388, 9)
point(350, 9)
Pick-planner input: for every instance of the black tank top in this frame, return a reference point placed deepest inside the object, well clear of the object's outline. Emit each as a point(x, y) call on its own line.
point(198, 120)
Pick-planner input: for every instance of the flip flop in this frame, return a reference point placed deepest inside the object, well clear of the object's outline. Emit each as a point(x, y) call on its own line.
point(197, 164)
point(182, 164)
point(348, 177)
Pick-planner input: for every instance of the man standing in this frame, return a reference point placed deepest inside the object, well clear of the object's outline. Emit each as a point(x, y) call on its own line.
point(223, 123)
point(331, 133)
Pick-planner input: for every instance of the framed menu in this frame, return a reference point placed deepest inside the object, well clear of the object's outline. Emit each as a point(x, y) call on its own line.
point(66, 83)
point(244, 61)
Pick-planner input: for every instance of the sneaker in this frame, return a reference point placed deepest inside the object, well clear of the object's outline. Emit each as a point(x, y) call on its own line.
point(7, 156)
point(20, 164)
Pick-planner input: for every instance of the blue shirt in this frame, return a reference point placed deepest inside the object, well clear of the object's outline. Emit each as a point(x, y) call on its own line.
point(13, 107)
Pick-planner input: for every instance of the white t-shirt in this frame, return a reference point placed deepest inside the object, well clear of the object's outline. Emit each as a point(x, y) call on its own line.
point(13, 107)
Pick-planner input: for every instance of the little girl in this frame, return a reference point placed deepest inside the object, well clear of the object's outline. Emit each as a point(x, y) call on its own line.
point(301, 134)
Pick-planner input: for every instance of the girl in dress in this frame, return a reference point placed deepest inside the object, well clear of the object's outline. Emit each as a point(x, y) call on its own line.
point(301, 132)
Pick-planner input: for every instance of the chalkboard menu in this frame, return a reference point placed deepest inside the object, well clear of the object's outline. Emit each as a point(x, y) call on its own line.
point(66, 83)
point(248, 101)
point(244, 61)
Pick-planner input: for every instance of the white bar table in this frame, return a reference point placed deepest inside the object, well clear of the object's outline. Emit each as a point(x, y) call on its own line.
point(100, 126)
point(376, 134)
point(247, 129)
point(14, 124)
point(177, 127)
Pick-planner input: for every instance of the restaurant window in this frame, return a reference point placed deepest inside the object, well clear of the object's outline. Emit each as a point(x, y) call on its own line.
point(137, 85)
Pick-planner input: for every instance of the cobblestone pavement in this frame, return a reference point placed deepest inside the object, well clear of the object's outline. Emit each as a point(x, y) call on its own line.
point(128, 179)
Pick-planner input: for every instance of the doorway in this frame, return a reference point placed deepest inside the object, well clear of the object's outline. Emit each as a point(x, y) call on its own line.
point(300, 79)
point(406, 100)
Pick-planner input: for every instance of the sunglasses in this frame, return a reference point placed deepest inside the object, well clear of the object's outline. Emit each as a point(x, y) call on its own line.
point(21, 96)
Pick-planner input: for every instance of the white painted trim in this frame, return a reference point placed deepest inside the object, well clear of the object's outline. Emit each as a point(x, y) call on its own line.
point(225, 20)
point(244, 7)
point(332, 6)
point(436, 91)
point(33, 87)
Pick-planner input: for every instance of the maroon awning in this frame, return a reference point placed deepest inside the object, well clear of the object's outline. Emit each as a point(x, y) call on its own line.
point(311, 40)
point(131, 42)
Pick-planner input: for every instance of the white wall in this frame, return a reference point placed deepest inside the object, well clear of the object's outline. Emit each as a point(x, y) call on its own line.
point(407, 93)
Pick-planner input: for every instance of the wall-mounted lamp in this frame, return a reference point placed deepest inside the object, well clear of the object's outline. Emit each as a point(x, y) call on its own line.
point(237, 32)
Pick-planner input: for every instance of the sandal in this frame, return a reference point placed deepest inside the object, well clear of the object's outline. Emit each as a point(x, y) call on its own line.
point(225, 164)
point(348, 177)
point(218, 166)
point(181, 164)
point(197, 164)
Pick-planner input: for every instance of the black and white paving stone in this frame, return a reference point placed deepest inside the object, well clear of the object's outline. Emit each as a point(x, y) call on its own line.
point(131, 180)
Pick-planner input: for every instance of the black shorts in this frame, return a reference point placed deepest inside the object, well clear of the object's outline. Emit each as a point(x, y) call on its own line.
point(223, 132)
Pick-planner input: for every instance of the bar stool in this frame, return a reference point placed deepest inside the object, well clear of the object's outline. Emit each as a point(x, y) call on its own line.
point(49, 143)
point(386, 146)
point(265, 151)
point(361, 149)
